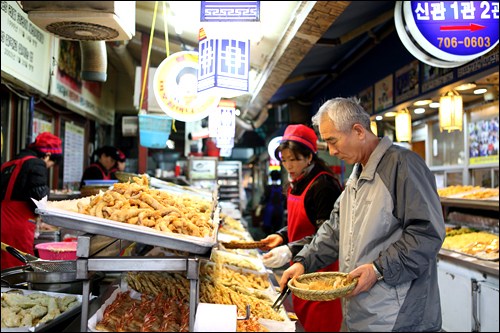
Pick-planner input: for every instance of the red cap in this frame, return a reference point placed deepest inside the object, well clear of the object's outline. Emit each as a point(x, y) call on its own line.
point(301, 134)
point(47, 143)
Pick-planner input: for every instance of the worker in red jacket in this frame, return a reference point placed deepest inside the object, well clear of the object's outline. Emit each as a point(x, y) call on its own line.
point(101, 169)
point(23, 178)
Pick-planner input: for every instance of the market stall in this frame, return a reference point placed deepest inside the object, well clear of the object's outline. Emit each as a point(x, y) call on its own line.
point(468, 265)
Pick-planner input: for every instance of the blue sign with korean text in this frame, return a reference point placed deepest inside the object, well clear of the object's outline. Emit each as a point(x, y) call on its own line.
point(224, 63)
point(454, 30)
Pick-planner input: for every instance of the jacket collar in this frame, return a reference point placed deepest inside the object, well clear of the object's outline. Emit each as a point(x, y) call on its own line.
point(368, 172)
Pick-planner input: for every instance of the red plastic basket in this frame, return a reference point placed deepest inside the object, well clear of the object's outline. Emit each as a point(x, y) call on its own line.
point(57, 250)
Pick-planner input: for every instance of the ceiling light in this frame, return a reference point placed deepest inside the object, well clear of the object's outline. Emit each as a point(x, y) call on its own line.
point(422, 102)
point(379, 118)
point(390, 114)
point(434, 105)
point(419, 110)
point(466, 86)
point(480, 91)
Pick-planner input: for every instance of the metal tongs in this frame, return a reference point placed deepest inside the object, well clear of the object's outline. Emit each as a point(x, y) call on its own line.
point(281, 298)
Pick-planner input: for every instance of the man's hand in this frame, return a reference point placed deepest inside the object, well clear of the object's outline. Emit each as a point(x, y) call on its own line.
point(366, 279)
point(272, 241)
point(295, 270)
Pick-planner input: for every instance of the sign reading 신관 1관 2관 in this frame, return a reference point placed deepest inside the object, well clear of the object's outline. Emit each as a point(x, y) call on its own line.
point(448, 33)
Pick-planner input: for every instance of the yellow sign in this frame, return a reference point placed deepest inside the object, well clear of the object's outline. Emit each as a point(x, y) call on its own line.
point(175, 87)
point(484, 160)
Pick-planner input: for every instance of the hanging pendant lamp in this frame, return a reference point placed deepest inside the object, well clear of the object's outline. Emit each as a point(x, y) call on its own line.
point(451, 112)
point(403, 126)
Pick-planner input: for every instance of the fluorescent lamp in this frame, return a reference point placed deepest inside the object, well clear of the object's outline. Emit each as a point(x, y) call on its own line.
point(419, 110)
point(434, 105)
point(379, 118)
point(390, 114)
point(480, 91)
point(422, 102)
point(466, 86)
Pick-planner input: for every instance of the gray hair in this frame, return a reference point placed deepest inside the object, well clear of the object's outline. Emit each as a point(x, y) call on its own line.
point(344, 112)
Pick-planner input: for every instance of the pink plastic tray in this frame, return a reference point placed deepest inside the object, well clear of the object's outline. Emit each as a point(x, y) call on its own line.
point(57, 250)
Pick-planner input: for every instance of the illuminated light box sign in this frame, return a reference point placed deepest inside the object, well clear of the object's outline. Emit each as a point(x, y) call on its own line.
point(224, 66)
point(272, 146)
point(175, 88)
point(222, 121)
point(447, 33)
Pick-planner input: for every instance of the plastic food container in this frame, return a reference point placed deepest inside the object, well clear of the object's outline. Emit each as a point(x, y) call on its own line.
point(100, 182)
point(57, 250)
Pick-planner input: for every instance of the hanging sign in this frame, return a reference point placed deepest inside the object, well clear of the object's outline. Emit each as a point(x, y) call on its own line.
point(224, 65)
point(26, 49)
point(224, 142)
point(175, 88)
point(447, 33)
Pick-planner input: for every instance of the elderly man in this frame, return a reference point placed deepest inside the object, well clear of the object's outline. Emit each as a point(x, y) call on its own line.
point(386, 228)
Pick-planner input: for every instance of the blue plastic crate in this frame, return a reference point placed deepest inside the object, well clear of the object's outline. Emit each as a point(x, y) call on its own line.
point(154, 130)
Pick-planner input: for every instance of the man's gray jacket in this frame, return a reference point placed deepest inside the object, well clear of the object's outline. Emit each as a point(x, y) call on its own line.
point(389, 214)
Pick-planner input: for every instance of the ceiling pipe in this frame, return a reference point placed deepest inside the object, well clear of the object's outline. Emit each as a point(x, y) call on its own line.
point(94, 61)
point(245, 126)
point(125, 57)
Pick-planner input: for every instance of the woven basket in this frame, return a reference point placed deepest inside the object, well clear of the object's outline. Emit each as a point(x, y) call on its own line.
point(87, 191)
point(124, 177)
point(322, 295)
point(243, 245)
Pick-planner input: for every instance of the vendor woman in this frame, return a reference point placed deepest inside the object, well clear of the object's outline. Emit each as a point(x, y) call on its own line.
point(101, 169)
point(311, 194)
point(23, 178)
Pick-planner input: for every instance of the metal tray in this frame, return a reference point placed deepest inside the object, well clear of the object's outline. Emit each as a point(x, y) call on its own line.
point(57, 320)
point(140, 234)
point(470, 255)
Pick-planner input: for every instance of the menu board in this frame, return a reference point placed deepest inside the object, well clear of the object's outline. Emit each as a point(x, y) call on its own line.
point(366, 99)
point(383, 94)
point(407, 82)
point(483, 141)
point(74, 139)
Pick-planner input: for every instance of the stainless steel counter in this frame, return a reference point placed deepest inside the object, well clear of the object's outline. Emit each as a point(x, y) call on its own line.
point(489, 267)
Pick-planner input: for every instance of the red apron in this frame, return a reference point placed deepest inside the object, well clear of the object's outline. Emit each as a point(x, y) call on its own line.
point(104, 176)
point(18, 221)
point(314, 316)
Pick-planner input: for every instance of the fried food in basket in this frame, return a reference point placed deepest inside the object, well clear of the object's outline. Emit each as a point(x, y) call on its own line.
point(338, 282)
point(241, 244)
point(232, 223)
point(137, 204)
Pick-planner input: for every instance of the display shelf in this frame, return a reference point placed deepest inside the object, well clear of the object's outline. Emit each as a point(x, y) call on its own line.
point(100, 254)
point(470, 203)
point(230, 186)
